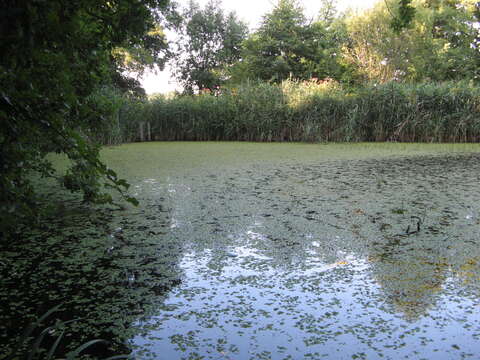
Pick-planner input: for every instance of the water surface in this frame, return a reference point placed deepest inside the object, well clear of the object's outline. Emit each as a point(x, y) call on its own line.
point(316, 251)
point(266, 251)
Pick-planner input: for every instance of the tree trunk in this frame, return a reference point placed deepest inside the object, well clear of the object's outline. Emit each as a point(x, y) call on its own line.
point(142, 135)
point(149, 132)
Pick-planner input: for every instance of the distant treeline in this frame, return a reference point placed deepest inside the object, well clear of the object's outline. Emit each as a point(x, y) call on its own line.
point(299, 111)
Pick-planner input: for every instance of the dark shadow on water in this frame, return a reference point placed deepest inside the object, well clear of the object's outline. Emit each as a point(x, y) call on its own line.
point(108, 268)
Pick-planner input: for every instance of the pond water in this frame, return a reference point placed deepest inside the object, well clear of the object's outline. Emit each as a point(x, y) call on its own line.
point(286, 251)
point(288, 256)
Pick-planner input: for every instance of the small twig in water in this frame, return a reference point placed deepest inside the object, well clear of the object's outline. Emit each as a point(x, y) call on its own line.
point(419, 223)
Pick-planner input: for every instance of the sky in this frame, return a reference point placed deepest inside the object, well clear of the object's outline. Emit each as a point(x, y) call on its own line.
point(250, 11)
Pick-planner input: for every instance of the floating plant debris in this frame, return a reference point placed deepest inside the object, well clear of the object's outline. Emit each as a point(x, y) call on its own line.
point(275, 251)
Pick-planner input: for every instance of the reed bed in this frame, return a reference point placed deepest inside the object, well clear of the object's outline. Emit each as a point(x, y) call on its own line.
point(312, 112)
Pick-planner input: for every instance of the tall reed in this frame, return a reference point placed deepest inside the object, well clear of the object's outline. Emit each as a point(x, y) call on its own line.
point(312, 111)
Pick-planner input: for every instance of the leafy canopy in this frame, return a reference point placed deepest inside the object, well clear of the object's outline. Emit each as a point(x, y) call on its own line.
point(288, 45)
point(440, 43)
point(209, 41)
point(55, 53)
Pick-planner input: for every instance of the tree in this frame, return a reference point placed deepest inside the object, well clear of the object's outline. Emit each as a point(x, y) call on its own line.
point(209, 42)
point(54, 55)
point(406, 13)
point(287, 45)
point(328, 11)
point(438, 45)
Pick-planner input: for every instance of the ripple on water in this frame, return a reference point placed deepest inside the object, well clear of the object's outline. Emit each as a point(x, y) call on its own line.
point(340, 259)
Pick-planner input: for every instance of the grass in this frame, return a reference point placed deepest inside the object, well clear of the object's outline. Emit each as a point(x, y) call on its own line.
point(31, 347)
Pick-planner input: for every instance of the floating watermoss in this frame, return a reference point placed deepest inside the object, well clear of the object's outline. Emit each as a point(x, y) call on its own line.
point(324, 267)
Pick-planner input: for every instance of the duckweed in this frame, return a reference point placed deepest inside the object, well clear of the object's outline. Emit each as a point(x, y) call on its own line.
point(275, 251)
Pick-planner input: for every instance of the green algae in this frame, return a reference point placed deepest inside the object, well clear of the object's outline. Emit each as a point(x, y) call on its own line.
point(324, 260)
point(242, 250)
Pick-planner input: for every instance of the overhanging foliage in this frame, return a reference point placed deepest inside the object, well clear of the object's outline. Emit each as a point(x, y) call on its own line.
point(54, 54)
